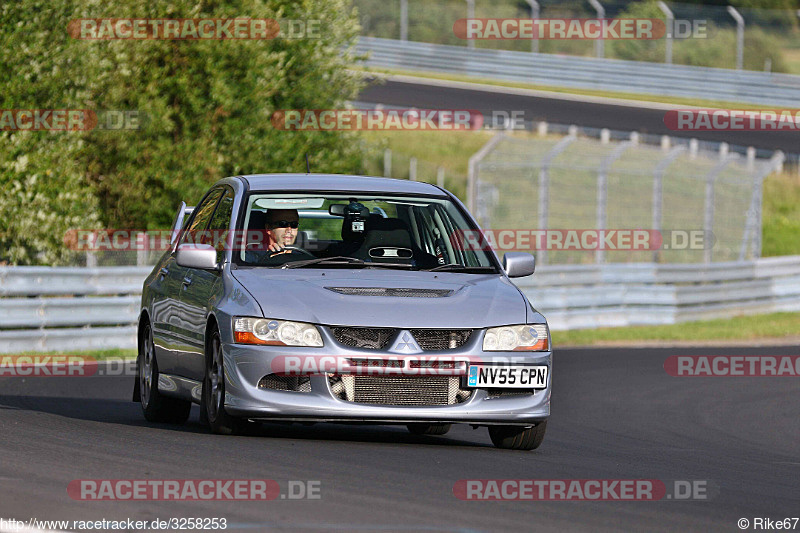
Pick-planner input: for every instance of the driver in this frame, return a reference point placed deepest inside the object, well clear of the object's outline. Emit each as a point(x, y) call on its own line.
point(281, 230)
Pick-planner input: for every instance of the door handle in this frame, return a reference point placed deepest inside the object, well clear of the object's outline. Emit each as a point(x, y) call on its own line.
point(187, 281)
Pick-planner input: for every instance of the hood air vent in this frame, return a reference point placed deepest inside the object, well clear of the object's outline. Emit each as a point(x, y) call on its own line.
point(382, 291)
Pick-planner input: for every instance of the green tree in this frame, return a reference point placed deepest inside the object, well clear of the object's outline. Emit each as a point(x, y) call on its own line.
point(204, 105)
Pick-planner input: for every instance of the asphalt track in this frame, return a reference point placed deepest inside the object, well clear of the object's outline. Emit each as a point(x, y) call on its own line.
point(616, 414)
point(563, 110)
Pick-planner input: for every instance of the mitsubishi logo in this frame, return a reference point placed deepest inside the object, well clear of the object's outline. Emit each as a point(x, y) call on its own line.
point(405, 343)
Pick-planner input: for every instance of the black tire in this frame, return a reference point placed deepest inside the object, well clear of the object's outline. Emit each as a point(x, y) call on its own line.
point(429, 429)
point(155, 406)
point(518, 438)
point(213, 397)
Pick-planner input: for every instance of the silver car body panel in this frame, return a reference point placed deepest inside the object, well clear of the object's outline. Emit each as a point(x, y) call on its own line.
point(181, 314)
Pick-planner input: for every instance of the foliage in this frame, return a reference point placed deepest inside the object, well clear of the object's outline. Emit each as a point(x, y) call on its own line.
point(204, 108)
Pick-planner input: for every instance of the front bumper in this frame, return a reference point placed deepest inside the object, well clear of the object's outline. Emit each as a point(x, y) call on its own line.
point(245, 365)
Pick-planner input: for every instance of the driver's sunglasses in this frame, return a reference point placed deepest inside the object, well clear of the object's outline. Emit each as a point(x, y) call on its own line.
point(285, 224)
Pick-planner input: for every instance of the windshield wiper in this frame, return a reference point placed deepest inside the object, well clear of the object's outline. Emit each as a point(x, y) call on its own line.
point(343, 260)
point(454, 267)
point(335, 260)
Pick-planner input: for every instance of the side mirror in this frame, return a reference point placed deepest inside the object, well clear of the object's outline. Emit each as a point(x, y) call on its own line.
point(518, 264)
point(202, 256)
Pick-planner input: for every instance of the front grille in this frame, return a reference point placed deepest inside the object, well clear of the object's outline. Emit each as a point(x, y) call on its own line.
point(399, 390)
point(441, 339)
point(379, 338)
point(368, 338)
point(285, 383)
point(493, 394)
point(382, 291)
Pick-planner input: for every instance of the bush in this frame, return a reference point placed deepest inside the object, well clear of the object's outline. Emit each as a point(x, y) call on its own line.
point(205, 108)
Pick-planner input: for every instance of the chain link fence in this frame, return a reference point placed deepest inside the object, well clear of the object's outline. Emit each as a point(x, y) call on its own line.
point(704, 35)
point(697, 204)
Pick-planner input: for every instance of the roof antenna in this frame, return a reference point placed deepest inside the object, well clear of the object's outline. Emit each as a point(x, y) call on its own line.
point(308, 169)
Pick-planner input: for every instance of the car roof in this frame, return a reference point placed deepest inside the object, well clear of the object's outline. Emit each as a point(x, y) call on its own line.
point(337, 183)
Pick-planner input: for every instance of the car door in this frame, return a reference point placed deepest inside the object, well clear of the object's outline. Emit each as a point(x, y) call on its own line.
point(163, 310)
point(180, 324)
point(203, 290)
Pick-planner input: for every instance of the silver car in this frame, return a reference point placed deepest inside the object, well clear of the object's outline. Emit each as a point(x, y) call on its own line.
point(328, 298)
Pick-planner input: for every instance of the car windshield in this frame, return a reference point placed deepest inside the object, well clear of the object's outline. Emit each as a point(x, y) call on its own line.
point(374, 231)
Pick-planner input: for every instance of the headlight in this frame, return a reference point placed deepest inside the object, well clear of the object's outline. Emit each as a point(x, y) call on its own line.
point(275, 332)
point(524, 337)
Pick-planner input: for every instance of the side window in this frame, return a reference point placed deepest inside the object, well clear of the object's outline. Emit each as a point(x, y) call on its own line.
point(220, 224)
point(201, 216)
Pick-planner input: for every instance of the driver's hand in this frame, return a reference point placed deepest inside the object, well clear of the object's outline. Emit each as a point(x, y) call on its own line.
point(275, 247)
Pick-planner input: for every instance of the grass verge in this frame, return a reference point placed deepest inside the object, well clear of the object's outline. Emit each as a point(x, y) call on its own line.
point(770, 327)
point(99, 355)
point(670, 100)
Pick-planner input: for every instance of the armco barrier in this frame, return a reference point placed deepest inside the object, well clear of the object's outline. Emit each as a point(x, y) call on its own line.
point(718, 84)
point(63, 309)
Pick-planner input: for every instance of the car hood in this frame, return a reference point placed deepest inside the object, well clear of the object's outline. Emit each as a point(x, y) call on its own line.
point(338, 297)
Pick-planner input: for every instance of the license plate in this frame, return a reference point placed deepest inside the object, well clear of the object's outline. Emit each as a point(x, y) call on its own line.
point(523, 377)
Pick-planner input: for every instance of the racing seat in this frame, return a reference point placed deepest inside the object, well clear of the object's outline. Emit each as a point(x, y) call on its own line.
point(388, 240)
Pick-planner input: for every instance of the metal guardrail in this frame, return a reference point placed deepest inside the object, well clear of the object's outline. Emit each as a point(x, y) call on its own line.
point(69, 308)
point(585, 73)
point(590, 296)
point(571, 297)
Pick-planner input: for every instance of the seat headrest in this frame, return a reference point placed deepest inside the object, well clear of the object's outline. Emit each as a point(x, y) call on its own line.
point(258, 220)
point(390, 232)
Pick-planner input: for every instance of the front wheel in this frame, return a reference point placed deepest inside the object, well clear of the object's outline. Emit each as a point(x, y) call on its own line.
point(155, 406)
point(518, 438)
point(219, 421)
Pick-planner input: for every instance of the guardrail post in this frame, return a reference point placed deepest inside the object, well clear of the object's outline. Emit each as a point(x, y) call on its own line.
point(658, 199)
point(544, 188)
point(470, 15)
point(412, 169)
point(599, 44)
point(143, 242)
point(602, 190)
point(670, 25)
point(440, 177)
point(753, 223)
point(541, 128)
point(739, 36)
point(91, 260)
point(387, 163)
point(404, 20)
point(472, 173)
point(534, 15)
point(708, 208)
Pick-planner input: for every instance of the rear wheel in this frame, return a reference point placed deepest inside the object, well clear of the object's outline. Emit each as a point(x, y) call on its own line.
point(219, 421)
point(518, 438)
point(429, 429)
point(155, 406)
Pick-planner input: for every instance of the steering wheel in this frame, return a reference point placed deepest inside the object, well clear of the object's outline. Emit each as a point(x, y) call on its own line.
point(294, 250)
